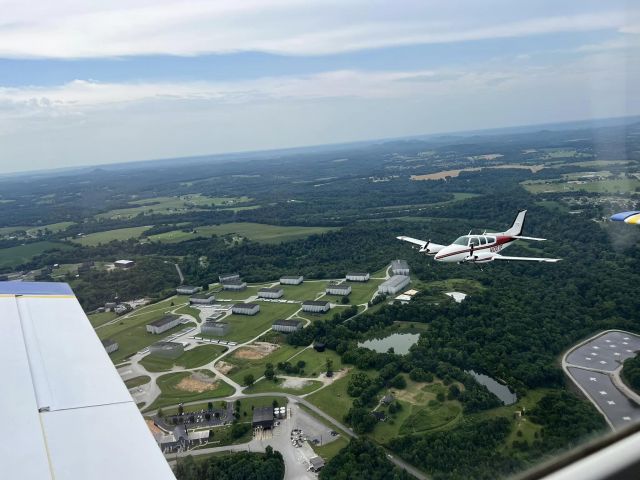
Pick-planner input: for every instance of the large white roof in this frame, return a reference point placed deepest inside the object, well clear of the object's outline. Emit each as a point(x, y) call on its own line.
point(66, 412)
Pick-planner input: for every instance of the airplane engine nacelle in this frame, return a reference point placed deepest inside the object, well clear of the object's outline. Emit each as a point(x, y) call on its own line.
point(480, 257)
point(431, 249)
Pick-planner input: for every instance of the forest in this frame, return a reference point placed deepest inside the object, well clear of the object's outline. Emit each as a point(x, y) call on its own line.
point(242, 465)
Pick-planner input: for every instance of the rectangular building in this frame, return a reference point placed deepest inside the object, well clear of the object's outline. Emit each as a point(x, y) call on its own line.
point(400, 267)
point(358, 277)
point(394, 284)
point(219, 329)
point(263, 418)
point(166, 349)
point(315, 306)
point(124, 263)
point(234, 285)
point(286, 326)
point(110, 345)
point(245, 308)
point(272, 292)
point(202, 299)
point(338, 289)
point(187, 289)
point(109, 306)
point(162, 325)
point(228, 277)
point(291, 280)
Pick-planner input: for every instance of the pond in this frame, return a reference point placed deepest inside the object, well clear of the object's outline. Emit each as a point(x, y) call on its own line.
point(499, 390)
point(400, 342)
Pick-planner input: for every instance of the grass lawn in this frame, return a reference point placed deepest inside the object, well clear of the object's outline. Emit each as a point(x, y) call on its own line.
point(264, 386)
point(137, 381)
point(330, 450)
point(189, 310)
point(246, 327)
point(172, 395)
point(98, 319)
point(93, 239)
point(615, 185)
point(193, 358)
point(361, 292)
point(257, 367)
point(316, 362)
point(248, 404)
point(65, 268)
point(228, 295)
point(334, 399)
point(258, 232)
point(14, 256)
point(304, 291)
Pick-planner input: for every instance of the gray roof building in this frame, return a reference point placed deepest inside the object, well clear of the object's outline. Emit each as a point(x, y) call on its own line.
point(263, 417)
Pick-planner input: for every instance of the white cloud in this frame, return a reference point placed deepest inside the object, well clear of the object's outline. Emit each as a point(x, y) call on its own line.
point(76, 29)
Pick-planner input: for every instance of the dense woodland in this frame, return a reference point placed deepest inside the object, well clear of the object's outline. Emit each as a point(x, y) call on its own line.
point(362, 460)
point(239, 466)
point(631, 373)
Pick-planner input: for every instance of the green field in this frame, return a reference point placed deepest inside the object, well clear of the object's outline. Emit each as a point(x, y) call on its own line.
point(137, 381)
point(316, 362)
point(245, 327)
point(98, 319)
point(33, 229)
point(265, 386)
point(243, 295)
point(130, 332)
point(172, 395)
point(168, 205)
point(617, 185)
point(334, 399)
point(330, 450)
point(14, 256)
point(189, 310)
point(93, 239)
point(256, 368)
point(258, 232)
point(193, 358)
point(304, 291)
point(361, 292)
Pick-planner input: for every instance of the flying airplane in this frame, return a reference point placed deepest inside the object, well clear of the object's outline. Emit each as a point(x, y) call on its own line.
point(626, 217)
point(479, 248)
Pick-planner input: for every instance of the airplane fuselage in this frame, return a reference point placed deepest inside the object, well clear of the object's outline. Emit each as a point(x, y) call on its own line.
point(482, 246)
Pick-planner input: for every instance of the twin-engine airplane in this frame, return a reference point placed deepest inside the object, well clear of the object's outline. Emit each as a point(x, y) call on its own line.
point(479, 248)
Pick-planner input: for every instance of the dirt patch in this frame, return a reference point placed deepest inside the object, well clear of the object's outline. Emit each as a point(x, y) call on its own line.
point(198, 383)
point(256, 350)
point(297, 383)
point(154, 430)
point(415, 394)
point(224, 367)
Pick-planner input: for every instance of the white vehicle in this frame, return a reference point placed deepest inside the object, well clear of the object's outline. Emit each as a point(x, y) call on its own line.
point(480, 248)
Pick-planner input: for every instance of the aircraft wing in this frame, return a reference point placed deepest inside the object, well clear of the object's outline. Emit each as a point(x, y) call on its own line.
point(626, 217)
point(526, 259)
point(68, 415)
point(425, 246)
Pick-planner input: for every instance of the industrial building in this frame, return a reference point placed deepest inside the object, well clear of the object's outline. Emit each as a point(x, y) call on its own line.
point(358, 277)
point(394, 285)
point(124, 263)
point(202, 299)
point(110, 345)
point(235, 285)
point(315, 306)
point(286, 326)
point(400, 267)
point(338, 289)
point(262, 418)
point(291, 280)
point(316, 463)
point(245, 308)
point(109, 306)
point(272, 292)
point(162, 325)
point(187, 289)
point(218, 329)
point(166, 349)
point(229, 277)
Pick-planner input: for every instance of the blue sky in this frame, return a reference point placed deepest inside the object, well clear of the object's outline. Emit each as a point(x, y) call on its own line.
point(84, 83)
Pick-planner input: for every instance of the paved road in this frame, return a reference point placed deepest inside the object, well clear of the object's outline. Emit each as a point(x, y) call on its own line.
point(594, 365)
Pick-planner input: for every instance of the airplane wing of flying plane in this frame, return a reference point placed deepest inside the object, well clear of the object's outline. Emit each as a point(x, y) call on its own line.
point(67, 415)
point(480, 248)
point(627, 217)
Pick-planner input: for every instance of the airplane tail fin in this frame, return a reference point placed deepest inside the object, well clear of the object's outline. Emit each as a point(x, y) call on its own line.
point(518, 224)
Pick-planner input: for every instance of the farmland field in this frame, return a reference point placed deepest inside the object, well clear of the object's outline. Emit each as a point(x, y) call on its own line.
point(97, 238)
point(14, 256)
point(193, 358)
point(258, 232)
point(617, 185)
point(166, 205)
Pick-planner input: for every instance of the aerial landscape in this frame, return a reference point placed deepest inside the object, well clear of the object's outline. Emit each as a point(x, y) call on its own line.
point(267, 240)
point(219, 297)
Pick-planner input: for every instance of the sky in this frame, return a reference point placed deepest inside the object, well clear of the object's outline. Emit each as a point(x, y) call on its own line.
point(98, 82)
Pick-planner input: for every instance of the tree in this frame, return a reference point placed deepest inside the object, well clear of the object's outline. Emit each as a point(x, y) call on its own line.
point(269, 373)
point(180, 409)
point(209, 406)
point(329, 365)
point(160, 413)
point(249, 379)
point(344, 300)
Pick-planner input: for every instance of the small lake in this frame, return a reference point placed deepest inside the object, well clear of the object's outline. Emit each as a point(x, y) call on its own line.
point(499, 390)
point(400, 342)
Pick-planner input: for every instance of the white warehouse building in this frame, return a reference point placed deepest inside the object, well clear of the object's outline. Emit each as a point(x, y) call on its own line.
point(202, 298)
point(234, 285)
point(291, 280)
point(394, 284)
point(358, 277)
point(110, 345)
point(187, 289)
point(219, 329)
point(245, 308)
point(286, 326)
point(162, 325)
point(315, 306)
point(338, 289)
point(271, 292)
point(400, 267)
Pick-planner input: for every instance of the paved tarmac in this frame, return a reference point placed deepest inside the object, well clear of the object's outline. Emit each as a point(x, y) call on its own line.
point(606, 352)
